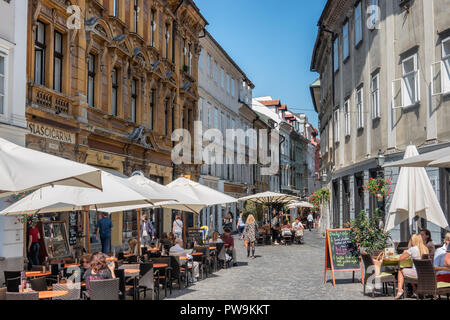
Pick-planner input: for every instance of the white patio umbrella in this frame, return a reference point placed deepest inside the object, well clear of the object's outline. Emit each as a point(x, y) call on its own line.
point(116, 192)
point(441, 163)
point(199, 192)
point(183, 202)
point(414, 196)
point(23, 169)
point(300, 204)
point(437, 158)
point(269, 197)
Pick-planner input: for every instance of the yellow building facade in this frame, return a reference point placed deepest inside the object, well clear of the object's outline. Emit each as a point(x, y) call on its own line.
point(111, 92)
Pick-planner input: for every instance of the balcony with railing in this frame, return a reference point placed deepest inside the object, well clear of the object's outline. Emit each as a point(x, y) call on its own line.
point(50, 99)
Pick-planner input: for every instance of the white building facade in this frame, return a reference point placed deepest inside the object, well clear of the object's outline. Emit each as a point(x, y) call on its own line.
point(223, 89)
point(13, 40)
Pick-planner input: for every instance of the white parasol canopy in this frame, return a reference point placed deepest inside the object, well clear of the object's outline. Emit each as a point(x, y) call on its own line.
point(414, 196)
point(23, 169)
point(441, 163)
point(438, 158)
point(199, 192)
point(183, 202)
point(269, 197)
point(300, 204)
point(116, 192)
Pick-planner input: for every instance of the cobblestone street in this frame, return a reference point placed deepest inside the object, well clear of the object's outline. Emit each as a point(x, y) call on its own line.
point(293, 272)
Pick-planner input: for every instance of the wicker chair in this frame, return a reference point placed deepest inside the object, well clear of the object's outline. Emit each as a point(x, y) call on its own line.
point(104, 289)
point(384, 277)
point(427, 284)
point(22, 296)
point(73, 289)
point(39, 284)
point(175, 272)
point(203, 261)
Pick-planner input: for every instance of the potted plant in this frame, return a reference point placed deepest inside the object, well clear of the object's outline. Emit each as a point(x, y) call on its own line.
point(367, 233)
point(379, 187)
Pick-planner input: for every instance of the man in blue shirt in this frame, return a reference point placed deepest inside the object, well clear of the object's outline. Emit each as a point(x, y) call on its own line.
point(104, 227)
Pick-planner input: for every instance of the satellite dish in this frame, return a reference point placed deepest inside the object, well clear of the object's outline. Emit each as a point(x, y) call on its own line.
point(120, 37)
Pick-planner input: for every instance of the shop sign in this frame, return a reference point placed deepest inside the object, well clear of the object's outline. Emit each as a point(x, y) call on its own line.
point(49, 132)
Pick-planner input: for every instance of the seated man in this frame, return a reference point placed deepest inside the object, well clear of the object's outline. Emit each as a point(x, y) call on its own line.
point(439, 256)
point(298, 228)
point(228, 240)
point(178, 250)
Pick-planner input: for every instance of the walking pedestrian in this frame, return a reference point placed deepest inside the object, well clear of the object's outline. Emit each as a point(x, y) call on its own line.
point(147, 231)
point(228, 221)
point(104, 226)
point(275, 228)
point(240, 225)
point(33, 245)
point(310, 219)
point(177, 228)
point(250, 231)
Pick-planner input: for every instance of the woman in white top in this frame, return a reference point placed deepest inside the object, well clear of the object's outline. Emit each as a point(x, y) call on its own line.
point(416, 249)
point(215, 238)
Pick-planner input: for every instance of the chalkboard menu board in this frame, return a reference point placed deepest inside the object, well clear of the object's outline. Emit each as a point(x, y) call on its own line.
point(73, 228)
point(341, 254)
point(193, 236)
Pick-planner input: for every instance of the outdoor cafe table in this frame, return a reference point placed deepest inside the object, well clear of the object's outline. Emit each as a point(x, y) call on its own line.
point(33, 274)
point(394, 261)
point(111, 259)
point(442, 268)
point(68, 265)
point(52, 294)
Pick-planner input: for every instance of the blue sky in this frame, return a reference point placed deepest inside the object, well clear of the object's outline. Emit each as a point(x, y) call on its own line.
point(272, 41)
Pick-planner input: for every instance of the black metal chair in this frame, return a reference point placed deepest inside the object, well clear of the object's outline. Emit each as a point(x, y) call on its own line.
point(163, 274)
point(12, 274)
point(12, 284)
point(146, 279)
point(175, 272)
point(120, 274)
point(39, 284)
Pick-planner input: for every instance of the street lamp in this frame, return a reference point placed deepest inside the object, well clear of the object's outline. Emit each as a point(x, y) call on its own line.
point(380, 163)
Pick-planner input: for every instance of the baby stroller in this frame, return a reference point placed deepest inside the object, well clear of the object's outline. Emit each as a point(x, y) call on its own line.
point(298, 236)
point(286, 236)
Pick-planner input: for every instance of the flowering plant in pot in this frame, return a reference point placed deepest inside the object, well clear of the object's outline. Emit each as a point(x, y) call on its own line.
point(367, 234)
point(378, 187)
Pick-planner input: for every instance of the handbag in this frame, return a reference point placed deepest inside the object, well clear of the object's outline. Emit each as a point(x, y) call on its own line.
point(378, 262)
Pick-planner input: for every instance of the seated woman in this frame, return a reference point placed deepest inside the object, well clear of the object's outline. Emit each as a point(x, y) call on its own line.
point(133, 247)
point(99, 269)
point(85, 264)
point(215, 238)
point(165, 243)
point(416, 249)
point(298, 228)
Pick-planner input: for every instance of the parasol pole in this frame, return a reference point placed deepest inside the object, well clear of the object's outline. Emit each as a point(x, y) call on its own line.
point(88, 231)
point(138, 217)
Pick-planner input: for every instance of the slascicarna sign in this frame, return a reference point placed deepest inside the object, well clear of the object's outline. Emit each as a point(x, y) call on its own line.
point(53, 133)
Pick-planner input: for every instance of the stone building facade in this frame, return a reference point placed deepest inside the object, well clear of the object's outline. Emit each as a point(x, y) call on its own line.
point(384, 70)
point(110, 92)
